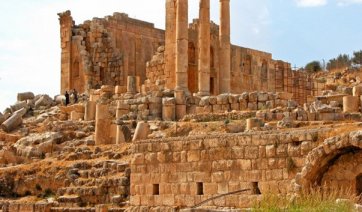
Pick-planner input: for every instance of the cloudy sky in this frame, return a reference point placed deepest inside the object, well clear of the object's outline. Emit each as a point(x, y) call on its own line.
point(296, 31)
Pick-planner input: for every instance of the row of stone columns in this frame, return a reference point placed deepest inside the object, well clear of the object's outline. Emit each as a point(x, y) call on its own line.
point(204, 47)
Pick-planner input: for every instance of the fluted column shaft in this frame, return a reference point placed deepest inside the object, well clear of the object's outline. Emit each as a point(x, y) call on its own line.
point(182, 46)
point(225, 47)
point(204, 48)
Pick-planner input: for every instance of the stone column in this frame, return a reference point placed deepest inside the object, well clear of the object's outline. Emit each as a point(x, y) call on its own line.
point(204, 48)
point(182, 43)
point(170, 43)
point(225, 47)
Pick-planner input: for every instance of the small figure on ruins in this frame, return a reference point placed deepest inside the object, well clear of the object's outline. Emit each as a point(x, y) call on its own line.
point(75, 96)
point(66, 98)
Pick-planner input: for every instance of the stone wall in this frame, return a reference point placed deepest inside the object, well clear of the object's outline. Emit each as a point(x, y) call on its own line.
point(104, 51)
point(184, 172)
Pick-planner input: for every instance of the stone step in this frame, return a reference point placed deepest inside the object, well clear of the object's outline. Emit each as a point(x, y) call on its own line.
point(72, 209)
point(69, 199)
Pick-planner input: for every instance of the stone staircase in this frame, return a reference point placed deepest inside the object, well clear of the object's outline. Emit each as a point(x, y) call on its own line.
point(106, 182)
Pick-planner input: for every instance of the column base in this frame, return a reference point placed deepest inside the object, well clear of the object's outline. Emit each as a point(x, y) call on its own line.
point(203, 93)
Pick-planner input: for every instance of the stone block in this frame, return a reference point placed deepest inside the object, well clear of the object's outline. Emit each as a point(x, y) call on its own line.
point(357, 90)
point(75, 116)
point(253, 97)
point(235, 106)
point(142, 131)
point(263, 97)
point(213, 100)
point(222, 99)
point(243, 104)
point(252, 106)
point(216, 108)
point(351, 104)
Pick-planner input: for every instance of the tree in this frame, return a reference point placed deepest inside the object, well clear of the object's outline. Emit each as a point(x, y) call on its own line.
point(357, 57)
point(342, 61)
point(313, 67)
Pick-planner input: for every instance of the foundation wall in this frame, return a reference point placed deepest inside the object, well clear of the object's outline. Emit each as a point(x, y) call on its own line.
point(185, 172)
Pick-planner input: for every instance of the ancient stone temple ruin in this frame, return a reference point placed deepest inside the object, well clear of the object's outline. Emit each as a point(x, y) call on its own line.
point(196, 58)
point(179, 120)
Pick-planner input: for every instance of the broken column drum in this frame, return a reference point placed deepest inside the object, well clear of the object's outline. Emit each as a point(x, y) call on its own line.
point(90, 111)
point(103, 125)
point(131, 85)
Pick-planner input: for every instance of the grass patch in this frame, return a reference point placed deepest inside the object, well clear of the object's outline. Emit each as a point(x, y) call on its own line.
point(315, 200)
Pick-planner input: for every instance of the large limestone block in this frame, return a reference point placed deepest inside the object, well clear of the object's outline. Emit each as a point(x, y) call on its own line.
point(75, 116)
point(142, 131)
point(351, 104)
point(25, 96)
point(90, 111)
point(357, 90)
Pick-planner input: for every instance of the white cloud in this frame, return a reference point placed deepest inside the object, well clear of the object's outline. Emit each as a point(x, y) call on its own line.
point(348, 2)
point(311, 3)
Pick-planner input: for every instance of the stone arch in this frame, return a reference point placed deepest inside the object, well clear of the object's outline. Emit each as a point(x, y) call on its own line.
point(322, 157)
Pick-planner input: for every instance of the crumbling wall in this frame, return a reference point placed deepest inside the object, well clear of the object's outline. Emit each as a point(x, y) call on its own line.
point(104, 51)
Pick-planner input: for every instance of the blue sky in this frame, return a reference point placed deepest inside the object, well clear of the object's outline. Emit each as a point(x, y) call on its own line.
point(297, 31)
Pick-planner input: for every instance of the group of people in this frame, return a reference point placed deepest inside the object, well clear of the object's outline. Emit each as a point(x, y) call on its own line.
point(73, 94)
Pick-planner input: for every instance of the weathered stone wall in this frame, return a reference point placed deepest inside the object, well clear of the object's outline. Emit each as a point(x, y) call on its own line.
point(184, 172)
point(105, 51)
